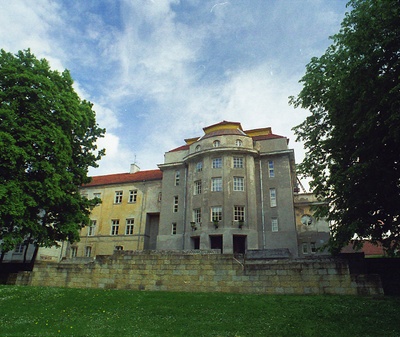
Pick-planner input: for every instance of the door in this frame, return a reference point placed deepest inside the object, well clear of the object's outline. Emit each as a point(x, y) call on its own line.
point(216, 242)
point(239, 244)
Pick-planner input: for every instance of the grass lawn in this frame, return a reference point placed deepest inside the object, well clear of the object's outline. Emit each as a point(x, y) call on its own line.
point(40, 311)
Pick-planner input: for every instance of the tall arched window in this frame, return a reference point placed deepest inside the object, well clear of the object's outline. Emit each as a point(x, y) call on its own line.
point(216, 143)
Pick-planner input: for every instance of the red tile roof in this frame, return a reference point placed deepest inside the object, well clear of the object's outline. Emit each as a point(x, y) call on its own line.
point(180, 148)
point(223, 132)
point(265, 137)
point(368, 249)
point(120, 178)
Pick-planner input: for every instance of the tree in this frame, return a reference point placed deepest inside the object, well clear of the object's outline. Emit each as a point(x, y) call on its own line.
point(352, 136)
point(47, 143)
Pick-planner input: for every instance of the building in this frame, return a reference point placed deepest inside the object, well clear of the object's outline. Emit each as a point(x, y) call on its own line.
point(229, 189)
point(128, 216)
point(312, 233)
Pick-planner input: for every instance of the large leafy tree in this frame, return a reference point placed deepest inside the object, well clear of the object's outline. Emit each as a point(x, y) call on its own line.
point(47, 143)
point(352, 136)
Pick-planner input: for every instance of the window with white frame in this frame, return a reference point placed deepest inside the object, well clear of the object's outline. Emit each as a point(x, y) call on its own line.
point(114, 227)
point(237, 162)
point(19, 248)
point(216, 213)
point(91, 228)
point(274, 224)
point(216, 143)
point(118, 197)
point(176, 201)
point(238, 142)
point(197, 187)
point(272, 197)
point(173, 228)
point(271, 169)
point(129, 226)
point(216, 184)
point(238, 213)
point(198, 148)
point(177, 177)
point(132, 196)
point(238, 183)
point(88, 251)
point(97, 195)
point(199, 166)
point(74, 251)
point(217, 163)
point(197, 215)
point(159, 197)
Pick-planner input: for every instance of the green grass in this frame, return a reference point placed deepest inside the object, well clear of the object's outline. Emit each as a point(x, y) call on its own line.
point(37, 311)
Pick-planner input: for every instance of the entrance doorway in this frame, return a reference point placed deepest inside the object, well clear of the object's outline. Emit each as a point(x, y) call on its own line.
point(216, 242)
point(196, 242)
point(151, 232)
point(239, 244)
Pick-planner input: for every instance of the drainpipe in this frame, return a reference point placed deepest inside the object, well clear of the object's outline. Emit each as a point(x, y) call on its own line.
point(142, 207)
point(184, 208)
point(262, 206)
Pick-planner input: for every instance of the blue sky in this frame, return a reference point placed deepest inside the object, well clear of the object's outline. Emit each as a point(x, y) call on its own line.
point(158, 71)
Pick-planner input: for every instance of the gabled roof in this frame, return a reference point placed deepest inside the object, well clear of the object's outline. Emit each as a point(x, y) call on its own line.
point(222, 125)
point(121, 178)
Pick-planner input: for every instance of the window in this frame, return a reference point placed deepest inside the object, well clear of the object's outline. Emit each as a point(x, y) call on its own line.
point(119, 248)
point(313, 247)
point(114, 227)
point(217, 163)
point(238, 142)
point(305, 248)
point(272, 197)
point(91, 227)
point(306, 220)
point(177, 177)
point(199, 166)
point(197, 215)
point(216, 213)
point(197, 187)
point(74, 251)
point(132, 196)
point(274, 224)
point(197, 149)
point(216, 184)
point(159, 197)
point(97, 195)
point(88, 251)
point(175, 204)
point(129, 226)
point(238, 213)
point(19, 248)
point(271, 170)
point(216, 143)
point(118, 197)
point(238, 183)
point(237, 162)
point(173, 228)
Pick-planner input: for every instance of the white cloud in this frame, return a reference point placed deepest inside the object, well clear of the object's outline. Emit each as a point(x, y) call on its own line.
point(117, 159)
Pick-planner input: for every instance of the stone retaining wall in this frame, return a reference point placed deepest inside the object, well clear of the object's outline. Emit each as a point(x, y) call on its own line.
point(203, 272)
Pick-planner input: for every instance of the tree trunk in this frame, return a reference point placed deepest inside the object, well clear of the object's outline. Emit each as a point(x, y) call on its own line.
point(34, 254)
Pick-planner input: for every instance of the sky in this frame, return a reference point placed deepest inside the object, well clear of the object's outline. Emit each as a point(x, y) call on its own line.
point(158, 71)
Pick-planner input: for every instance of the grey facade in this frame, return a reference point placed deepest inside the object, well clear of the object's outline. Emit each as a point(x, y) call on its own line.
point(229, 189)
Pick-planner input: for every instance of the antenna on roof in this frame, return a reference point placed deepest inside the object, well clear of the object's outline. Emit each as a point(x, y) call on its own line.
point(134, 167)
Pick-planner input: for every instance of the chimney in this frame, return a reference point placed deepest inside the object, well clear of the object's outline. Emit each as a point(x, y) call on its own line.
point(134, 168)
